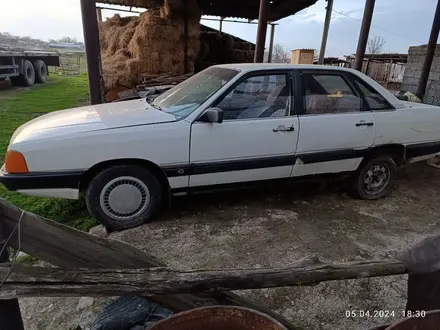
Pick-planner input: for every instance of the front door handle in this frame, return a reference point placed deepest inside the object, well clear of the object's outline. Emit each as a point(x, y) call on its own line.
point(364, 124)
point(283, 128)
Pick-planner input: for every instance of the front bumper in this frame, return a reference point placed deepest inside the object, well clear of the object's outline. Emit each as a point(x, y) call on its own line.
point(40, 180)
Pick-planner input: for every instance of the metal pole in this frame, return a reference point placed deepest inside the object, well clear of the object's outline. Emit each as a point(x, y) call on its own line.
point(185, 37)
point(430, 51)
point(261, 31)
point(363, 36)
point(221, 24)
point(328, 16)
point(99, 14)
point(10, 315)
point(272, 35)
point(93, 50)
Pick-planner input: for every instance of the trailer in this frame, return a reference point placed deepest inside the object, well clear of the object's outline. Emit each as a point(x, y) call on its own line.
point(26, 67)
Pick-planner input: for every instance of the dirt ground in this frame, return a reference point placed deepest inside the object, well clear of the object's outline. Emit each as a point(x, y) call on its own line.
point(274, 227)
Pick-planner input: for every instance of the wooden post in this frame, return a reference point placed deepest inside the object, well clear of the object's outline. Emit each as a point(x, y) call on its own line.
point(93, 50)
point(363, 36)
point(10, 315)
point(261, 31)
point(430, 51)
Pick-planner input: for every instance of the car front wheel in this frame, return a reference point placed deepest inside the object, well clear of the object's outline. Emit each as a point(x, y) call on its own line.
point(375, 178)
point(123, 196)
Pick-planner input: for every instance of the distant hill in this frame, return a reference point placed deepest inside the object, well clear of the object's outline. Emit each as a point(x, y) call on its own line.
point(63, 45)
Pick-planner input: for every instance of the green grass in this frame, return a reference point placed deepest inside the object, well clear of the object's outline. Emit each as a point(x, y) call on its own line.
point(21, 106)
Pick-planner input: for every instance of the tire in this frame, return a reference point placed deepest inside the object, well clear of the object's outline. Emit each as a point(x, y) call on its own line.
point(123, 196)
point(374, 178)
point(40, 71)
point(2, 79)
point(27, 78)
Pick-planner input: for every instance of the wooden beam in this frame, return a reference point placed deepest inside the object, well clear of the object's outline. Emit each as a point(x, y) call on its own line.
point(66, 247)
point(93, 50)
point(44, 281)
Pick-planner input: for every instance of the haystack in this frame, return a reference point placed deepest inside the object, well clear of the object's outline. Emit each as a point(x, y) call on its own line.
point(152, 43)
point(220, 48)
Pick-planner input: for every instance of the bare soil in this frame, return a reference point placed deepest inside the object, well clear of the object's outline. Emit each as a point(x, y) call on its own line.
point(274, 227)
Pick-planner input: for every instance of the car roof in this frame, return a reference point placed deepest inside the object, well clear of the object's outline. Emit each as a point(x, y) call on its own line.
point(245, 67)
point(250, 67)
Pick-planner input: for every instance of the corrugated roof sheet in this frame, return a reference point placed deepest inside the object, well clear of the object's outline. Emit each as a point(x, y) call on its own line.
point(230, 8)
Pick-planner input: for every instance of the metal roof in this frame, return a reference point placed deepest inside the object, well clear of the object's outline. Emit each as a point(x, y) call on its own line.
point(230, 8)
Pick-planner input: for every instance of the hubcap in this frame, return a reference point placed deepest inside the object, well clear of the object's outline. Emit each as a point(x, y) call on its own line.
point(124, 198)
point(376, 179)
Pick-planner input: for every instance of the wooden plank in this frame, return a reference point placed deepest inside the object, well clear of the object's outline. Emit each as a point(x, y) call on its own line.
point(43, 281)
point(66, 247)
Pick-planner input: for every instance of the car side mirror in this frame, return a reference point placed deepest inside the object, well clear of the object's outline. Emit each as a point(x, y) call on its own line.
point(212, 115)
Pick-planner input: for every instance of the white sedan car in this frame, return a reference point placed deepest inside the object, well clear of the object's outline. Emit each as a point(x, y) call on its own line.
point(228, 124)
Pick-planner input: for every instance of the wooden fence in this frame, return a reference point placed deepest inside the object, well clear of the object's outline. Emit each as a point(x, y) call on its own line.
point(116, 268)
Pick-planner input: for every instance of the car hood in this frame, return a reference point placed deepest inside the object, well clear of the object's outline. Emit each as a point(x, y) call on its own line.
point(91, 118)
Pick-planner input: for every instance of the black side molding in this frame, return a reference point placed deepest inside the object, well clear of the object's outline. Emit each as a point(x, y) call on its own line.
point(422, 149)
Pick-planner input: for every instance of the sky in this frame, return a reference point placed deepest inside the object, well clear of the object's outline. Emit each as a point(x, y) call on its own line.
point(402, 23)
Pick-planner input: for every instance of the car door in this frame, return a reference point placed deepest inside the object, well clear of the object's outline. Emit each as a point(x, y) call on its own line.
point(257, 138)
point(336, 126)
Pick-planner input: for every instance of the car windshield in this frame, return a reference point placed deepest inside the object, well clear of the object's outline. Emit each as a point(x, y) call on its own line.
point(186, 97)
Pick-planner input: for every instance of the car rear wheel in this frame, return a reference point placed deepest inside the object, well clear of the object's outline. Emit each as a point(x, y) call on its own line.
point(123, 196)
point(375, 178)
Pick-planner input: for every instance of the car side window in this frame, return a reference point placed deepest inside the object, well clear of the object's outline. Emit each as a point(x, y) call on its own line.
point(329, 93)
point(374, 100)
point(262, 96)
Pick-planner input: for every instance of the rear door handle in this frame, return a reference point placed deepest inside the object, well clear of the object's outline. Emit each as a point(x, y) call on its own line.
point(364, 124)
point(283, 128)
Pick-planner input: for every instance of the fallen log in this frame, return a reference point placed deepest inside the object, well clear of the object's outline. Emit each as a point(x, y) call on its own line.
point(44, 281)
point(67, 247)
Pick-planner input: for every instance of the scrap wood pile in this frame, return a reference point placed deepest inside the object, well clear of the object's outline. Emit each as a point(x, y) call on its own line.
point(149, 80)
point(152, 43)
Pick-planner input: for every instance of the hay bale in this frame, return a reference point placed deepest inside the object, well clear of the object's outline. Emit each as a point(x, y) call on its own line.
point(241, 45)
point(204, 50)
point(152, 43)
point(227, 41)
point(175, 9)
point(239, 55)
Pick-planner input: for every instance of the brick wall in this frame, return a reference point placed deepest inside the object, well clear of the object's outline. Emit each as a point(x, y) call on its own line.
point(416, 56)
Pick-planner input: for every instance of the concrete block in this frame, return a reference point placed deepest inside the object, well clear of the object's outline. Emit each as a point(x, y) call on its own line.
point(417, 66)
point(434, 76)
point(418, 74)
point(410, 81)
point(409, 73)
